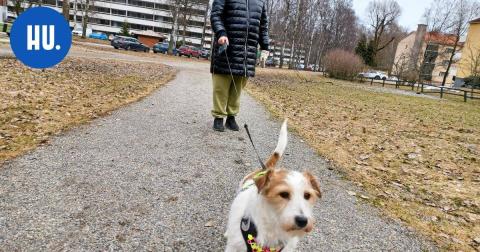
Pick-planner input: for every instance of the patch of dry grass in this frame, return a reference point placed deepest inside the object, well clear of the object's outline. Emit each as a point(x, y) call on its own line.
point(35, 104)
point(419, 158)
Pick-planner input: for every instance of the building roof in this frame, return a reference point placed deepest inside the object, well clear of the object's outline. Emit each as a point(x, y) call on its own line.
point(440, 38)
point(475, 21)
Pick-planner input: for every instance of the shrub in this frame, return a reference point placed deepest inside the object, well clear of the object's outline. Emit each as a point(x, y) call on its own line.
point(342, 64)
point(473, 81)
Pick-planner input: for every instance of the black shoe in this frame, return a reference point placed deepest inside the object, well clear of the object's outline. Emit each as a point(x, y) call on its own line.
point(218, 125)
point(231, 124)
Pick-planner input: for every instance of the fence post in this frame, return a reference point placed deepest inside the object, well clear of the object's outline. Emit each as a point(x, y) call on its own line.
point(371, 82)
point(465, 96)
point(413, 86)
point(422, 88)
point(4, 28)
point(441, 92)
point(383, 84)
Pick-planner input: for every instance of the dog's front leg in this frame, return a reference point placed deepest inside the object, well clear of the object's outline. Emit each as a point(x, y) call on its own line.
point(291, 246)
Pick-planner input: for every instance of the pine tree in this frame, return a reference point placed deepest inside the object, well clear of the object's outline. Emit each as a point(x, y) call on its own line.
point(369, 57)
point(361, 48)
point(125, 31)
point(366, 50)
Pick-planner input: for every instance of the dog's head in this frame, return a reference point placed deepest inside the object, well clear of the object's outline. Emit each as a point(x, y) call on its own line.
point(290, 195)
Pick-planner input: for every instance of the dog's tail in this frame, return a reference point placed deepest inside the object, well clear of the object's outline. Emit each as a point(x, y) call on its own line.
point(281, 145)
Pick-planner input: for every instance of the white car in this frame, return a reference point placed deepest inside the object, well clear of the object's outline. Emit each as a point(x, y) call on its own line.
point(377, 75)
point(78, 31)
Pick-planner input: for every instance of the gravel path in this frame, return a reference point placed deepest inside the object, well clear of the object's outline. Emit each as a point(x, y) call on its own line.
point(154, 176)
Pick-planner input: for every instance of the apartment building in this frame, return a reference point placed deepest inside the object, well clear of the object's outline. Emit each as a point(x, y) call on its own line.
point(108, 16)
point(469, 64)
point(429, 52)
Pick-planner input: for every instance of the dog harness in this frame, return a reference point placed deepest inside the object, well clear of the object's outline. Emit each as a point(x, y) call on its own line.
point(249, 233)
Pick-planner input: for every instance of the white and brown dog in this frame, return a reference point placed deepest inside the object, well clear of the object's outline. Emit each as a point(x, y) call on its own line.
point(273, 208)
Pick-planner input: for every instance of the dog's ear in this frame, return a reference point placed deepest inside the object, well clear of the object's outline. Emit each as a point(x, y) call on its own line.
point(314, 182)
point(272, 161)
point(263, 180)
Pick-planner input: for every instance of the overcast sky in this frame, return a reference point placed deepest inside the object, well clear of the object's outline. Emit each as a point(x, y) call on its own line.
point(412, 11)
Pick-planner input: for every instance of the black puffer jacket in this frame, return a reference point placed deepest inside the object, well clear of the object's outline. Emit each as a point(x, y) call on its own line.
point(239, 20)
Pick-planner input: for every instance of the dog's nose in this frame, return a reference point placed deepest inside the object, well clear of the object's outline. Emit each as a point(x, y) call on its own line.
point(301, 221)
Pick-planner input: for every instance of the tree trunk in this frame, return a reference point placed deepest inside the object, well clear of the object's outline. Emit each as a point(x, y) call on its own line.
point(85, 18)
point(450, 61)
point(205, 17)
point(66, 9)
point(172, 43)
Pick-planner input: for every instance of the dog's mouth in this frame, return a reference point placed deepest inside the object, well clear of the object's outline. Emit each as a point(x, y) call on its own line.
point(300, 230)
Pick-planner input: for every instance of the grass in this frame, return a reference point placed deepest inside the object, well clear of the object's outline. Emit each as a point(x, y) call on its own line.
point(36, 104)
point(418, 158)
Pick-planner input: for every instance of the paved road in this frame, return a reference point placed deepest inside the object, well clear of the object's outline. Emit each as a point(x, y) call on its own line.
point(153, 174)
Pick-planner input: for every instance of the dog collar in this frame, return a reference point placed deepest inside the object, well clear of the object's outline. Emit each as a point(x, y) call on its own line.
point(249, 233)
point(250, 182)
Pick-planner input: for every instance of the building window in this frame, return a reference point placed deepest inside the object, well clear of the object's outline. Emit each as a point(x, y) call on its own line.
point(442, 74)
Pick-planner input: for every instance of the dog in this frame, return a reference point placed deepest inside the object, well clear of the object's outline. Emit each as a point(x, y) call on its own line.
point(273, 207)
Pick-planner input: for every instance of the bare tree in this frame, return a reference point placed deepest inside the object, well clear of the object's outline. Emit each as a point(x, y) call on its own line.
point(86, 7)
point(382, 15)
point(66, 9)
point(452, 17)
point(205, 22)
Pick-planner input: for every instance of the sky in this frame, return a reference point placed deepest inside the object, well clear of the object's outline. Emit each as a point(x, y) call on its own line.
point(412, 11)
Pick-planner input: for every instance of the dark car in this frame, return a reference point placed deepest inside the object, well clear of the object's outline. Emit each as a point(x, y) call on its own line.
point(205, 53)
point(163, 48)
point(128, 43)
point(270, 62)
point(189, 51)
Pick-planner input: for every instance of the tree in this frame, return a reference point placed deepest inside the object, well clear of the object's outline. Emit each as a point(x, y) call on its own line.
point(366, 51)
point(86, 9)
point(382, 16)
point(66, 9)
point(452, 17)
point(125, 31)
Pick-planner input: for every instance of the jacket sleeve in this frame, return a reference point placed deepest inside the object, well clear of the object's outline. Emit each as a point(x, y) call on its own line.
point(216, 18)
point(263, 38)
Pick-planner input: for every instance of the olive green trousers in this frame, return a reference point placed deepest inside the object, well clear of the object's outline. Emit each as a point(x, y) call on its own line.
point(226, 94)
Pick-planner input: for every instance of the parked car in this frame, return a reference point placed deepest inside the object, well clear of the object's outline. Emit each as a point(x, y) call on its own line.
point(189, 51)
point(78, 31)
point(98, 35)
point(205, 53)
point(393, 78)
point(377, 75)
point(270, 62)
point(163, 48)
point(129, 43)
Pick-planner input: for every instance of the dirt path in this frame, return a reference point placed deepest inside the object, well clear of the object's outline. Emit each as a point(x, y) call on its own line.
point(154, 176)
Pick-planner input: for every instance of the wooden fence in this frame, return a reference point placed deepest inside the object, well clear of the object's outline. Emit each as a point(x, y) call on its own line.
point(423, 88)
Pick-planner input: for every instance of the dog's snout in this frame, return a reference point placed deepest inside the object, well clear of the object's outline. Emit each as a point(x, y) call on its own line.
point(301, 221)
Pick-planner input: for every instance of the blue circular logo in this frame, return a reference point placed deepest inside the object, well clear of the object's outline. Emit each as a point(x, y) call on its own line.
point(40, 37)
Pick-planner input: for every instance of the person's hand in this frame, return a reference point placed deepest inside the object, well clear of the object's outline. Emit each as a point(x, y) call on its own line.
point(223, 40)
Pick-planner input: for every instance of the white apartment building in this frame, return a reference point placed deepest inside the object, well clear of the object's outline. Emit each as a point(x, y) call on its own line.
point(108, 16)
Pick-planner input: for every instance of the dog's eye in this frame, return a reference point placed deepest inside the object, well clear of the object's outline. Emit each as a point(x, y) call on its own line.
point(284, 195)
point(307, 196)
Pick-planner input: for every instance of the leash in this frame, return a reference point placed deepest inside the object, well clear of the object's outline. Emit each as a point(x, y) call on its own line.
point(256, 151)
point(224, 48)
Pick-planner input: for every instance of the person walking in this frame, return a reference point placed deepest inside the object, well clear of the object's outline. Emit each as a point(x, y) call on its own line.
point(239, 26)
